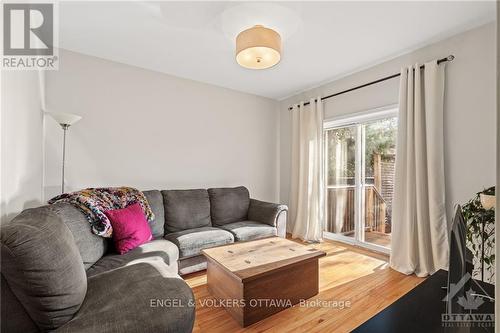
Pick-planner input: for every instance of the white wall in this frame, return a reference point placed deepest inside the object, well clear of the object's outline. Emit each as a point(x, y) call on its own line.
point(469, 109)
point(21, 142)
point(134, 127)
point(150, 130)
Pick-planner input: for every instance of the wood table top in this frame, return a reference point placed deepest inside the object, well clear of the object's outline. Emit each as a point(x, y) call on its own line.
point(249, 260)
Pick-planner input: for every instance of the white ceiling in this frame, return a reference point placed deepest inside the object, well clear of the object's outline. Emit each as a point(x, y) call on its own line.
point(322, 40)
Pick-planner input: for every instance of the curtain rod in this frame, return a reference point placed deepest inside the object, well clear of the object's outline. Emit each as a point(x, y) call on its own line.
point(448, 58)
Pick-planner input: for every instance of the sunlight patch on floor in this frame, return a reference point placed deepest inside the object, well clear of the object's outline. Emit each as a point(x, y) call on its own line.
point(336, 268)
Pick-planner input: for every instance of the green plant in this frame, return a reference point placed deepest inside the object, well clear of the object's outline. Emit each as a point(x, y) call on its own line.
point(481, 232)
point(380, 138)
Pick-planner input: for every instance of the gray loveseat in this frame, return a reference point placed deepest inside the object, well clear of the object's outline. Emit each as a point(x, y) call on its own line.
point(58, 276)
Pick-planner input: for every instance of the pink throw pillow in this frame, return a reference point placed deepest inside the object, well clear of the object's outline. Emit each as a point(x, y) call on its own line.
point(130, 227)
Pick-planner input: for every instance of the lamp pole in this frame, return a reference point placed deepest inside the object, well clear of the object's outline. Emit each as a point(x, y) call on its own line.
point(65, 120)
point(65, 128)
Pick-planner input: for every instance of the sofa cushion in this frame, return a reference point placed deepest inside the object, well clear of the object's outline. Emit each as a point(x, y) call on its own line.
point(186, 209)
point(248, 230)
point(191, 242)
point(42, 265)
point(192, 264)
point(135, 299)
point(155, 200)
point(156, 251)
point(90, 246)
point(228, 205)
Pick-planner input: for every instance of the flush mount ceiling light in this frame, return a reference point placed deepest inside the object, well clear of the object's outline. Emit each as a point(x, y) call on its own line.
point(258, 48)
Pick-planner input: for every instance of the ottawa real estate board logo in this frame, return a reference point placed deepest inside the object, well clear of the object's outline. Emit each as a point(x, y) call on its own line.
point(29, 36)
point(465, 309)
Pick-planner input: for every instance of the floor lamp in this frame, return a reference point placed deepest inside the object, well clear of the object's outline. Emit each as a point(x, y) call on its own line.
point(65, 120)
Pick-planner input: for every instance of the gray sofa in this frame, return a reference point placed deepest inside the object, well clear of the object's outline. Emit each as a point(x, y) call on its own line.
point(56, 275)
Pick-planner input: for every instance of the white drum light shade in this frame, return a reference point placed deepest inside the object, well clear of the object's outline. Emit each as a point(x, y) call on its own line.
point(65, 118)
point(258, 48)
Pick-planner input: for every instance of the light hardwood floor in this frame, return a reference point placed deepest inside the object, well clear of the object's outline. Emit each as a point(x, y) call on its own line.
point(378, 238)
point(347, 273)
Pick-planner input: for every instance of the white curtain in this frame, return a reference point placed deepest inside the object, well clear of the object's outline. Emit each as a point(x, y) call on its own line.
point(307, 183)
point(419, 231)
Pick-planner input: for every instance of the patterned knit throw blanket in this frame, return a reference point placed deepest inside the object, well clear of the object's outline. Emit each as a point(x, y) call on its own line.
point(93, 202)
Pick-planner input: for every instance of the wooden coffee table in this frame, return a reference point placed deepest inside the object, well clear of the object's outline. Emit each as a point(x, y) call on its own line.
point(256, 279)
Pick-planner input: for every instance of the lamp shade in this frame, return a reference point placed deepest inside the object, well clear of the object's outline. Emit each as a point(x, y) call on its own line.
point(65, 118)
point(258, 48)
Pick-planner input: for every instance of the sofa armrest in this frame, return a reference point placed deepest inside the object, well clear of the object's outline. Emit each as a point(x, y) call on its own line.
point(269, 213)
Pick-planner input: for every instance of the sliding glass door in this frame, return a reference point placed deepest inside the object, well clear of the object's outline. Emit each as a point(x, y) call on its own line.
point(340, 196)
point(360, 158)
